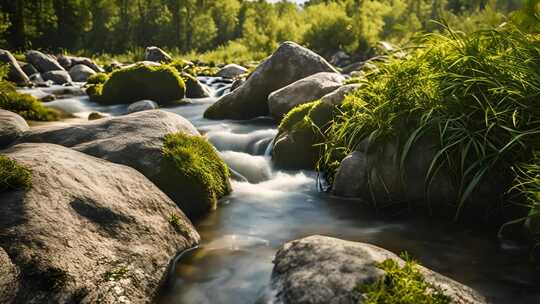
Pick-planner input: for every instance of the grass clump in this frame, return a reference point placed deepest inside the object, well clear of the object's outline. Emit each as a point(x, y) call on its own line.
point(191, 163)
point(13, 176)
point(402, 285)
point(477, 94)
point(99, 78)
point(161, 84)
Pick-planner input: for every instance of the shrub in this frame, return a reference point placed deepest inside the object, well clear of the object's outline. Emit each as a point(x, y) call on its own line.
point(99, 78)
point(13, 176)
point(403, 285)
point(192, 163)
point(161, 84)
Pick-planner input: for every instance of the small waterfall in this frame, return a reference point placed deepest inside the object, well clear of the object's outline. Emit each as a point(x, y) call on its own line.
point(254, 143)
point(254, 168)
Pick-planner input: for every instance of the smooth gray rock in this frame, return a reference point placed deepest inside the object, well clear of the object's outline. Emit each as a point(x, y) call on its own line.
point(302, 91)
point(336, 97)
point(57, 77)
point(142, 105)
point(29, 69)
point(12, 127)
point(353, 67)
point(231, 71)
point(135, 140)
point(87, 230)
point(324, 270)
point(67, 62)
point(153, 53)
point(44, 63)
point(80, 72)
point(194, 88)
point(289, 63)
point(15, 74)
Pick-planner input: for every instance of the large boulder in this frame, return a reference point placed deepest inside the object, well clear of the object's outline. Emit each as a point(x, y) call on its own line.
point(15, 74)
point(324, 270)
point(142, 105)
point(288, 64)
point(28, 69)
point(305, 90)
point(138, 140)
point(44, 63)
point(161, 83)
point(80, 72)
point(12, 126)
point(87, 230)
point(67, 62)
point(231, 71)
point(57, 77)
point(155, 54)
point(297, 144)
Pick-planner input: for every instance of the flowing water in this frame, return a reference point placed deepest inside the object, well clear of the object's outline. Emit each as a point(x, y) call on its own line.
point(269, 207)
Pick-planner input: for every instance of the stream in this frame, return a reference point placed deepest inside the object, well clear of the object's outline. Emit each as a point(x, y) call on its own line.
point(269, 207)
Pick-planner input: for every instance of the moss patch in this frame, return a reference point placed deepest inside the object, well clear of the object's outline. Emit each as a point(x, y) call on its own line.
point(191, 163)
point(402, 285)
point(13, 176)
point(99, 78)
point(161, 84)
point(27, 106)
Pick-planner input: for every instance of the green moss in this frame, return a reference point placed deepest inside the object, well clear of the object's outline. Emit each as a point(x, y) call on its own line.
point(99, 78)
point(94, 92)
point(402, 285)
point(191, 163)
point(27, 106)
point(161, 84)
point(296, 116)
point(13, 176)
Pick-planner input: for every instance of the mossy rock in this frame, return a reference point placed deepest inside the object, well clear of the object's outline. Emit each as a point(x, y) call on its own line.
point(99, 78)
point(25, 105)
point(300, 132)
point(13, 176)
point(192, 163)
point(162, 84)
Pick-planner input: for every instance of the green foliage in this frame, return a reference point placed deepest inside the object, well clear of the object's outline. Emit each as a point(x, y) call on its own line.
point(476, 93)
point(13, 176)
point(161, 84)
point(192, 163)
point(296, 116)
point(402, 285)
point(99, 78)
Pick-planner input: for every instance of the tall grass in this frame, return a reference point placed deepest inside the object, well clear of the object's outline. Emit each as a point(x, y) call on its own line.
point(477, 94)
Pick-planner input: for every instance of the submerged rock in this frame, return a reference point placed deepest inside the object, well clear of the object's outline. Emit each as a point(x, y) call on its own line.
point(44, 63)
point(319, 269)
point(80, 72)
point(137, 140)
point(142, 105)
point(12, 126)
point(302, 91)
point(289, 63)
point(15, 73)
point(57, 77)
point(231, 71)
point(153, 53)
point(86, 231)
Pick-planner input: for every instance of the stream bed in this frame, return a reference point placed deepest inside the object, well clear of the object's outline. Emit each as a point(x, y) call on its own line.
point(233, 263)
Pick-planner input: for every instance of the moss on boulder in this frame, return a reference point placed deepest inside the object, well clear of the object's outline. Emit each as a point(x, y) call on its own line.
point(13, 176)
point(162, 84)
point(193, 163)
point(25, 105)
point(99, 78)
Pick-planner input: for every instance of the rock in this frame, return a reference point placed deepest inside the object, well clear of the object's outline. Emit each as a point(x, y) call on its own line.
point(137, 140)
point(374, 173)
point(12, 127)
point(288, 64)
point(57, 77)
point(305, 90)
point(9, 274)
point(353, 67)
point(319, 269)
point(231, 71)
point(87, 230)
point(29, 69)
point(340, 59)
point(80, 72)
point(44, 63)
point(67, 62)
point(64, 61)
point(155, 54)
point(15, 74)
point(336, 97)
point(162, 84)
point(114, 65)
point(237, 83)
point(95, 116)
point(142, 105)
point(195, 89)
